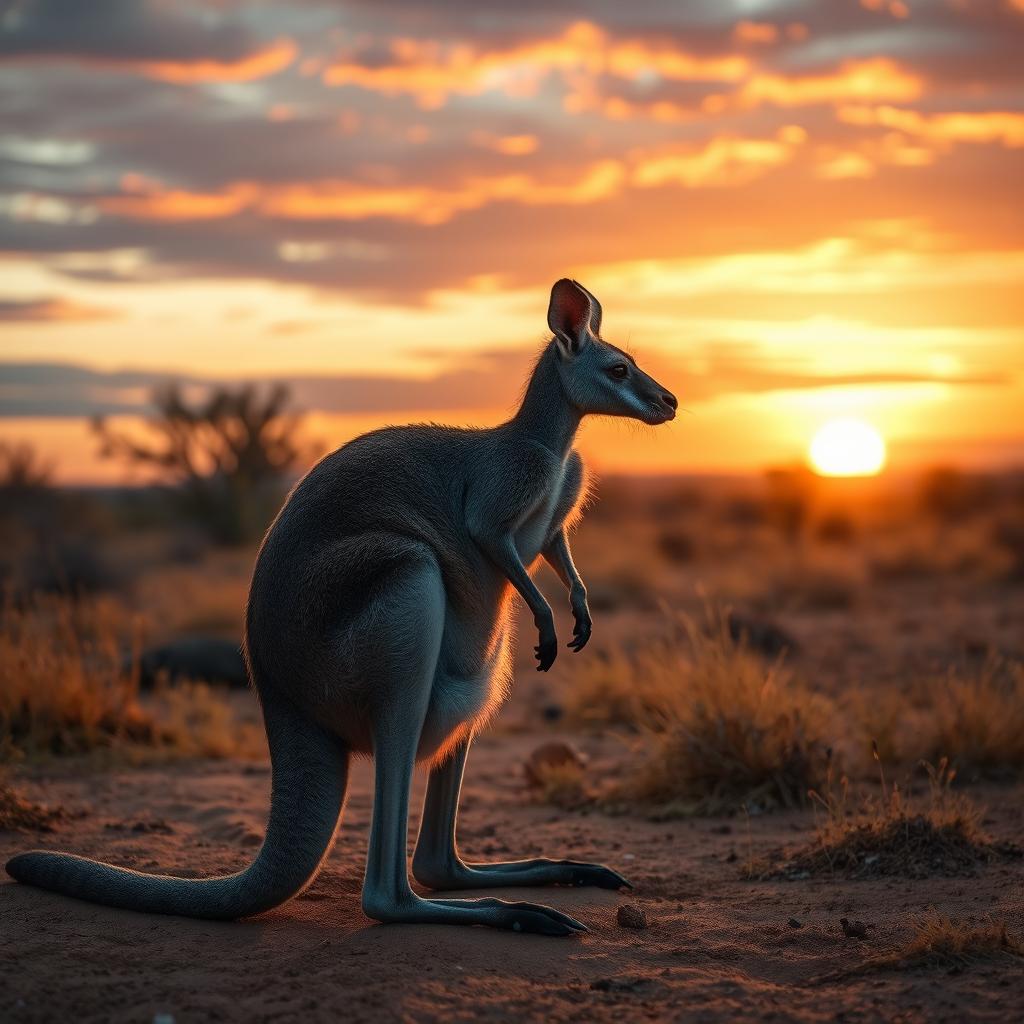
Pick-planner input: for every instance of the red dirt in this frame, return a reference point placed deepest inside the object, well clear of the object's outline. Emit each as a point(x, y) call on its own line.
point(717, 948)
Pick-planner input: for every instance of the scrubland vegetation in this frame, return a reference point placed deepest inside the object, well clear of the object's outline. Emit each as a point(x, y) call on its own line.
point(69, 685)
point(829, 671)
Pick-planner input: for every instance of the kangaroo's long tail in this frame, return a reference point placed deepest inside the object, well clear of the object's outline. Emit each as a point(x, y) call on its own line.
point(310, 774)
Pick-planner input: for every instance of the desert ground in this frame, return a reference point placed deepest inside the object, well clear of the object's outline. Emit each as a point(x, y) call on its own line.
point(753, 645)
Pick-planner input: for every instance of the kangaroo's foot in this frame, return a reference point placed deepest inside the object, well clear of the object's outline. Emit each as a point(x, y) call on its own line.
point(437, 864)
point(541, 871)
point(492, 913)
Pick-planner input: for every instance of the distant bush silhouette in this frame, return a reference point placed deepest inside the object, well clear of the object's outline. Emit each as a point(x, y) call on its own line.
point(951, 495)
point(229, 454)
point(48, 536)
point(23, 472)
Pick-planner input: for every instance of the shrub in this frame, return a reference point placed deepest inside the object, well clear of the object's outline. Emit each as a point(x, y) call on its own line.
point(950, 495)
point(977, 721)
point(676, 546)
point(720, 730)
point(65, 688)
point(836, 528)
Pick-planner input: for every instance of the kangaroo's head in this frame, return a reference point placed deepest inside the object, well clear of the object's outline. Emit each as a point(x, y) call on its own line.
point(598, 377)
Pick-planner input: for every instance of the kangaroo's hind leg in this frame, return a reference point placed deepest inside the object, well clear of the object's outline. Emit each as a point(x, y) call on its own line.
point(437, 864)
point(408, 618)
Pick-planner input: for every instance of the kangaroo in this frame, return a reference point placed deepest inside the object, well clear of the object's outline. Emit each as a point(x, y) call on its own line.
point(378, 623)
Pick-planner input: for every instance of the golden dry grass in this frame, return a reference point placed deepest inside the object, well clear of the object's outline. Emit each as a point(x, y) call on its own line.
point(977, 721)
point(940, 941)
point(63, 685)
point(67, 687)
point(719, 730)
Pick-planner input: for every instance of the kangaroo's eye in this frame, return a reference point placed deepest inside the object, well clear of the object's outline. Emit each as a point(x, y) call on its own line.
point(620, 371)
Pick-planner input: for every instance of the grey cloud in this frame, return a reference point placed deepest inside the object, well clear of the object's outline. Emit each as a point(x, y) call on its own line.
point(120, 30)
point(50, 310)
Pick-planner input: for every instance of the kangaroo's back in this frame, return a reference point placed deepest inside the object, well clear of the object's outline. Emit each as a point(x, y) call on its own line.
point(407, 484)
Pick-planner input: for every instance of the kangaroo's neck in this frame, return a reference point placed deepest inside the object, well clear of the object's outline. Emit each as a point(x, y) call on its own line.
point(546, 414)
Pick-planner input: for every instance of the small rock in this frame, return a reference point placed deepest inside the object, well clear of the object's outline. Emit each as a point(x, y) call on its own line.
point(794, 923)
point(617, 984)
point(631, 916)
point(854, 929)
point(555, 754)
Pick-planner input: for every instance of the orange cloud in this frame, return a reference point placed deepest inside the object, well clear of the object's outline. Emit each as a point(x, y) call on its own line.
point(424, 204)
point(432, 73)
point(345, 200)
point(266, 62)
point(876, 79)
point(755, 32)
point(176, 204)
point(52, 310)
point(719, 162)
point(1002, 126)
point(722, 161)
point(507, 145)
point(866, 158)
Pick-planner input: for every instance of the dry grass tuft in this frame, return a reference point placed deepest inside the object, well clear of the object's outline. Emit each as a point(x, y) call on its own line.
point(720, 731)
point(63, 686)
point(893, 836)
point(609, 689)
point(197, 720)
point(20, 815)
point(940, 941)
point(66, 688)
point(977, 721)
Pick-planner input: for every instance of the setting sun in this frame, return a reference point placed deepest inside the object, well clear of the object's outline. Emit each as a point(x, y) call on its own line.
point(847, 447)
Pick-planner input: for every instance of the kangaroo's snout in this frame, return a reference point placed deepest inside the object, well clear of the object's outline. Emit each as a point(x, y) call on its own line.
point(669, 404)
point(659, 404)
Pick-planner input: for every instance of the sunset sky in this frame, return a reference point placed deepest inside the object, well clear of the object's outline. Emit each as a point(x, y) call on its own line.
point(791, 212)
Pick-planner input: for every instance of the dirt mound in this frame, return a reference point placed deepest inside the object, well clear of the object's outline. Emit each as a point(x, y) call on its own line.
point(912, 846)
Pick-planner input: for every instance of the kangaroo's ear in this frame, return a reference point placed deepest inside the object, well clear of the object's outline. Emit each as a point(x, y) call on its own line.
point(569, 316)
point(595, 312)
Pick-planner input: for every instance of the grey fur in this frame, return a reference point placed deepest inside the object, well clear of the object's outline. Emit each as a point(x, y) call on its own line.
point(378, 623)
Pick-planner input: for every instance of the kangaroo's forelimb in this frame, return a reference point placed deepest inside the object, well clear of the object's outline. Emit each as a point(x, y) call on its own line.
point(559, 556)
point(437, 864)
point(501, 549)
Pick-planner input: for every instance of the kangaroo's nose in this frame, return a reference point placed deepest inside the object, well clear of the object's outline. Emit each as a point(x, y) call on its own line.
point(670, 400)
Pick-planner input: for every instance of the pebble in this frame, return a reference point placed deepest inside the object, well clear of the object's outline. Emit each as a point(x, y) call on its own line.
point(631, 916)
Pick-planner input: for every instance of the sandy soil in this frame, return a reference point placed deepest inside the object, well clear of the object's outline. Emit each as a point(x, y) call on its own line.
point(717, 948)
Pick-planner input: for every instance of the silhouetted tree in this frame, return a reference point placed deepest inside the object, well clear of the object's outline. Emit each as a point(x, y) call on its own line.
point(229, 454)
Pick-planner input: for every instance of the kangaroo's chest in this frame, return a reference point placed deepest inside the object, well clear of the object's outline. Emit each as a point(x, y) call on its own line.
point(542, 519)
